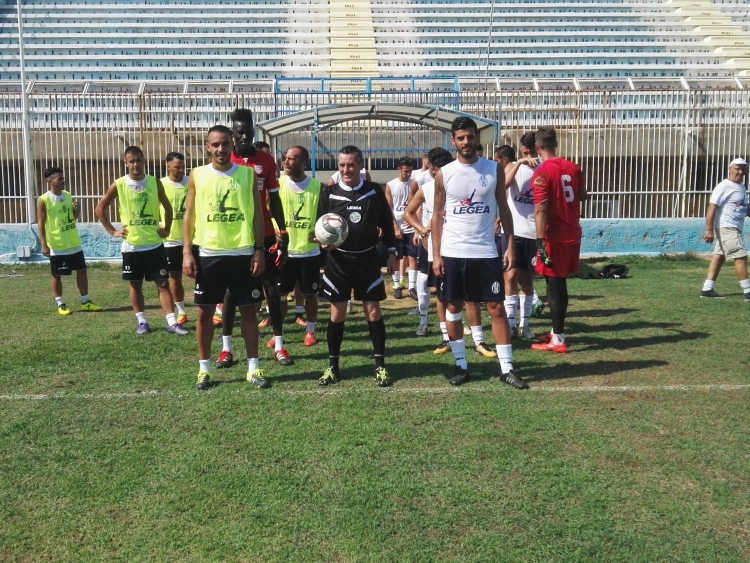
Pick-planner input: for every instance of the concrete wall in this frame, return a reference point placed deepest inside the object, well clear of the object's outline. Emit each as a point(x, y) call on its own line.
point(600, 236)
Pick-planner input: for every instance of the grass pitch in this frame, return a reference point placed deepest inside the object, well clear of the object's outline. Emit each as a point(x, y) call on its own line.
point(632, 448)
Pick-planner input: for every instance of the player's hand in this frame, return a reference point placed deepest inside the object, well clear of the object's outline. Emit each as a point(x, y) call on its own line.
point(189, 267)
point(257, 264)
point(392, 264)
point(438, 267)
point(162, 232)
point(530, 161)
point(509, 258)
point(709, 235)
point(281, 249)
point(541, 250)
point(45, 250)
point(399, 234)
point(121, 233)
point(75, 206)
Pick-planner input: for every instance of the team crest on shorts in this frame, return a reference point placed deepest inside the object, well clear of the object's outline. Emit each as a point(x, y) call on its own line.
point(533, 261)
point(255, 294)
point(315, 285)
point(496, 288)
point(355, 217)
point(163, 272)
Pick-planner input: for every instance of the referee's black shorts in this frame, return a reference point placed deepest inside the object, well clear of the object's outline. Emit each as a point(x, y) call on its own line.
point(345, 272)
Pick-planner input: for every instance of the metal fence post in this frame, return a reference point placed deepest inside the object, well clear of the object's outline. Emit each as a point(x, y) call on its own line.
point(28, 162)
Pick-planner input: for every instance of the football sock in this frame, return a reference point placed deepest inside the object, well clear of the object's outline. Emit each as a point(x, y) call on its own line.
point(511, 304)
point(59, 301)
point(299, 310)
point(252, 364)
point(140, 317)
point(745, 285)
point(204, 365)
point(458, 348)
point(557, 296)
point(536, 298)
point(335, 338)
point(557, 338)
point(273, 305)
point(180, 307)
point(477, 335)
point(708, 285)
point(444, 330)
point(171, 319)
point(413, 278)
point(377, 335)
point(525, 304)
point(505, 356)
point(396, 279)
point(423, 297)
point(86, 298)
point(278, 343)
point(218, 309)
point(226, 343)
point(310, 326)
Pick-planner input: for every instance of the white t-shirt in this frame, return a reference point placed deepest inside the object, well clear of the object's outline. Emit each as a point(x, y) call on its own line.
point(400, 198)
point(336, 177)
point(521, 203)
point(469, 229)
point(731, 198)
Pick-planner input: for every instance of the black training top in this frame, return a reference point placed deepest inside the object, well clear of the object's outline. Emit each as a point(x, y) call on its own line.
point(364, 209)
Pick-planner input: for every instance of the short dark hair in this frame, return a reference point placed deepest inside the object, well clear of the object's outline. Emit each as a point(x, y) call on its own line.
point(405, 161)
point(303, 151)
point(260, 145)
point(439, 157)
point(175, 156)
point(242, 114)
point(546, 138)
point(464, 123)
point(505, 151)
point(132, 149)
point(528, 140)
point(51, 171)
point(351, 149)
point(220, 129)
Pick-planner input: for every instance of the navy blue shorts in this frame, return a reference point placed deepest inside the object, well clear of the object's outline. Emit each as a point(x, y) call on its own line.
point(472, 279)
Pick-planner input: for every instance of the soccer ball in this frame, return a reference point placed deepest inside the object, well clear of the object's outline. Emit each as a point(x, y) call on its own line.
point(331, 229)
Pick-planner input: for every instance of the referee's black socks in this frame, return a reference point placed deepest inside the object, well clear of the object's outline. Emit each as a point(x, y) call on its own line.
point(335, 338)
point(377, 335)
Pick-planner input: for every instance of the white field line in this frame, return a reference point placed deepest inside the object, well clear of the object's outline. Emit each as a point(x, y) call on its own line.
point(397, 390)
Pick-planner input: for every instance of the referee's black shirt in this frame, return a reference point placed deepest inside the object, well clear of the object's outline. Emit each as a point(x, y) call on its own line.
point(365, 209)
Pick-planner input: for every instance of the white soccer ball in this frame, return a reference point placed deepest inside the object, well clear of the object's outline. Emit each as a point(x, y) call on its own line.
point(331, 229)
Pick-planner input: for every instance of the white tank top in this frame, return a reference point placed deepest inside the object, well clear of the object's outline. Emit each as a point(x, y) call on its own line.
point(428, 190)
point(469, 230)
point(400, 197)
point(521, 203)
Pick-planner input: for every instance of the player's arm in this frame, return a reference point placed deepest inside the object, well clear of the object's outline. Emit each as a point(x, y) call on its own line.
point(258, 262)
point(41, 220)
point(101, 213)
point(167, 205)
point(583, 195)
point(410, 214)
point(389, 199)
point(76, 210)
point(189, 267)
point(541, 201)
point(506, 218)
point(413, 187)
point(436, 225)
point(710, 218)
point(386, 225)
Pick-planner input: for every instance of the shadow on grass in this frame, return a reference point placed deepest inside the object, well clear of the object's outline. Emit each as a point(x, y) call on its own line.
point(535, 372)
point(596, 343)
point(593, 313)
point(581, 328)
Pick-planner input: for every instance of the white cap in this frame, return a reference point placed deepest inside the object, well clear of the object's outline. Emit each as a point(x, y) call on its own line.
point(738, 162)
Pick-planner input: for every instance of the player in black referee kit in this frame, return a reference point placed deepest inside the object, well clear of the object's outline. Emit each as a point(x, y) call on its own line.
point(355, 264)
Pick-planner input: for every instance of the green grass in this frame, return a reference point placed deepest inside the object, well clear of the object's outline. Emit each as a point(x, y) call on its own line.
point(107, 454)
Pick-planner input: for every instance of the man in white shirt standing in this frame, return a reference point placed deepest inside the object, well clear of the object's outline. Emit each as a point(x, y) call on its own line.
point(725, 219)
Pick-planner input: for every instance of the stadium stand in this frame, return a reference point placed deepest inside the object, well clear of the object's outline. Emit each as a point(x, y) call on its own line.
point(192, 40)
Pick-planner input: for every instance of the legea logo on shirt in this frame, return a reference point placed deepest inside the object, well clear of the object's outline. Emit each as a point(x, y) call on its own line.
point(470, 207)
point(224, 211)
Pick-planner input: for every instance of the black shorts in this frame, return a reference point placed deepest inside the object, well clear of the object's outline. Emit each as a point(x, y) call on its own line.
point(174, 258)
point(218, 275)
point(525, 252)
point(425, 267)
point(346, 271)
point(472, 279)
point(306, 270)
point(270, 269)
point(151, 264)
point(63, 265)
point(406, 246)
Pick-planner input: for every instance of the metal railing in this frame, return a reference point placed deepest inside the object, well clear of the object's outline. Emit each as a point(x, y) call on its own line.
point(647, 153)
